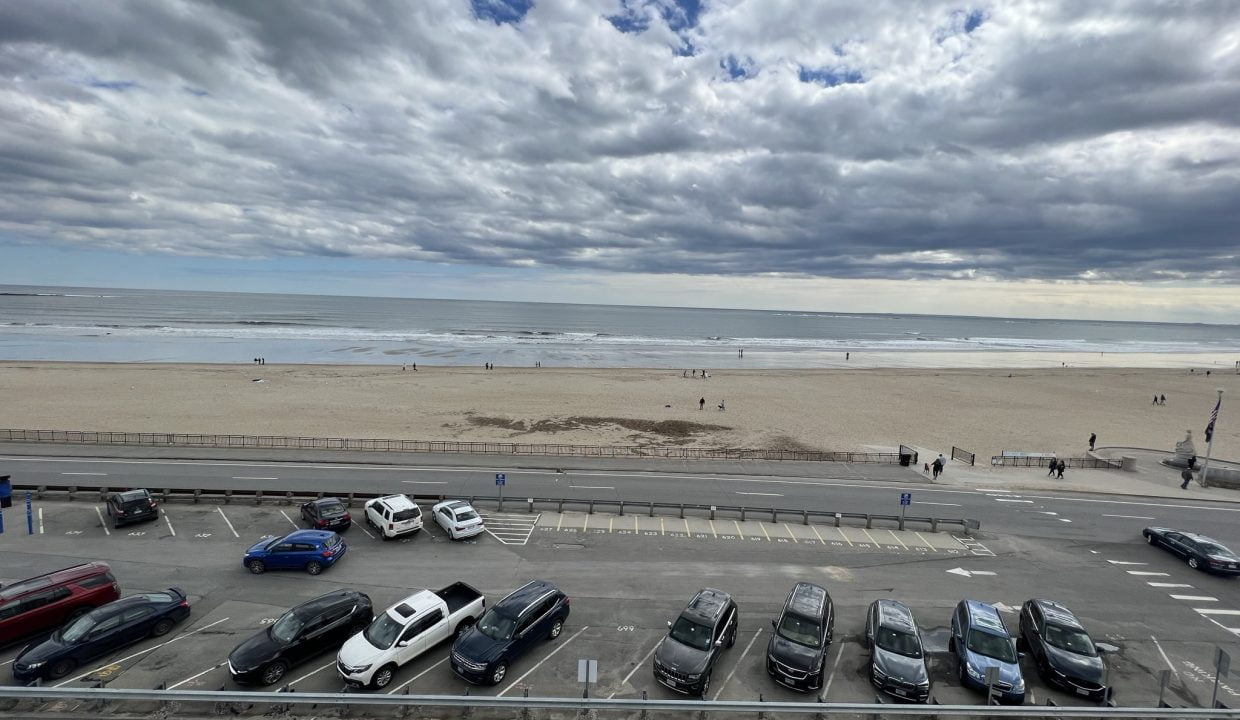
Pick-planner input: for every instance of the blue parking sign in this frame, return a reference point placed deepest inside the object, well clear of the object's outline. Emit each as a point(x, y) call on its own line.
point(501, 479)
point(906, 498)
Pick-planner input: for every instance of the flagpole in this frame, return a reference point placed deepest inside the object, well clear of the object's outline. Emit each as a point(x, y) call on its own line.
point(1210, 443)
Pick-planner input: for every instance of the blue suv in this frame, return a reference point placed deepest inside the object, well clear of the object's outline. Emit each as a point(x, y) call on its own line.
point(309, 550)
point(980, 640)
point(507, 629)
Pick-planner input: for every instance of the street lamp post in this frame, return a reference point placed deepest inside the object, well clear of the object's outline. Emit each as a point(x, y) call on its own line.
point(1205, 467)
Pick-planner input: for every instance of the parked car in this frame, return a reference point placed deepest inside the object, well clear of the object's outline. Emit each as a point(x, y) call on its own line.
point(393, 516)
point(684, 660)
point(980, 640)
point(130, 506)
point(1201, 552)
point(326, 514)
point(103, 630)
point(46, 602)
point(1062, 650)
point(483, 653)
point(309, 550)
point(458, 518)
point(797, 652)
point(897, 659)
point(307, 630)
point(405, 631)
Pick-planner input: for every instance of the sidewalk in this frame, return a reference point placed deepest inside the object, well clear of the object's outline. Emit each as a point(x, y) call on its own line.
point(1152, 479)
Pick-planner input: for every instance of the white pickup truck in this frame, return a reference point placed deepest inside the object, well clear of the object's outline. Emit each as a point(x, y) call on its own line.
point(405, 631)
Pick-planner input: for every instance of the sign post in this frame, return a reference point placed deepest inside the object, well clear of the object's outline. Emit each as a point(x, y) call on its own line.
point(906, 499)
point(1222, 665)
point(587, 674)
point(500, 480)
point(29, 516)
point(992, 677)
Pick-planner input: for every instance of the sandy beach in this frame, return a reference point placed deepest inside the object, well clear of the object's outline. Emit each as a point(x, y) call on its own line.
point(981, 410)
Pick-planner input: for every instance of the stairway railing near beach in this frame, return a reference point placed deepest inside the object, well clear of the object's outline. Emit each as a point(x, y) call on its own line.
point(279, 442)
point(1080, 462)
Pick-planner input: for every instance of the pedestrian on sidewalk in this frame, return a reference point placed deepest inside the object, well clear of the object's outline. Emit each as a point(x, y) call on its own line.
point(938, 466)
point(1093, 437)
point(1187, 477)
point(1054, 466)
point(1059, 471)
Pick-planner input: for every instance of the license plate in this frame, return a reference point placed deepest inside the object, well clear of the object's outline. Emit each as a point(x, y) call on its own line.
point(671, 682)
point(790, 681)
point(900, 691)
point(1082, 691)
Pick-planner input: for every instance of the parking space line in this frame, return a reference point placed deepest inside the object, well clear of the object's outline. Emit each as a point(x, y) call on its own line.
point(827, 688)
point(290, 520)
point(415, 677)
point(610, 520)
point(559, 521)
point(897, 537)
point(791, 534)
point(927, 542)
point(724, 684)
point(871, 537)
point(1215, 611)
point(40, 520)
point(585, 524)
point(686, 521)
point(226, 520)
point(638, 666)
point(313, 672)
point(101, 522)
point(634, 524)
point(372, 537)
point(195, 677)
point(661, 530)
point(844, 535)
point(1198, 598)
point(248, 477)
point(739, 534)
point(85, 473)
point(143, 652)
point(713, 534)
point(820, 540)
point(762, 527)
point(169, 521)
point(1147, 573)
point(1168, 585)
point(1164, 656)
point(558, 648)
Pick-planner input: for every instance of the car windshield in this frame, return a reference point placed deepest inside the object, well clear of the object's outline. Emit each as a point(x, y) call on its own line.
point(410, 514)
point(695, 635)
point(286, 628)
point(331, 509)
point(800, 630)
point(383, 632)
point(496, 626)
point(1070, 639)
point(998, 647)
point(465, 515)
point(898, 642)
point(77, 629)
point(271, 545)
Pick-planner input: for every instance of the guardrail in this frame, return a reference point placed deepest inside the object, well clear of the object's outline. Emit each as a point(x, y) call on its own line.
point(963, 455)
point(1085, 462)
point(271, 703)
point(281, 442)
point(742, 512)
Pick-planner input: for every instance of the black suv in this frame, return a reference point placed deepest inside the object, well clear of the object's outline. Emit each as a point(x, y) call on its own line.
point(326, 514)
point(312, 628)
point(798, 650)
point(1061, 649)
point(684, 659)
point(511, 626)
point(131, 506)
point(897, 658)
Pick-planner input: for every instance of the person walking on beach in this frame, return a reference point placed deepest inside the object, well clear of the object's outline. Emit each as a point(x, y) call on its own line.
point(1093, 437)
point(701, 403)
point(846, 355)
point(415, 367)
point(1155, 400)
point(1162, 399)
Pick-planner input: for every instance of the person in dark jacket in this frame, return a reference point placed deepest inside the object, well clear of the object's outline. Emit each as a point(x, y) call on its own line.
point(1059, 470)
point(1187, 477)
point(1093, 437)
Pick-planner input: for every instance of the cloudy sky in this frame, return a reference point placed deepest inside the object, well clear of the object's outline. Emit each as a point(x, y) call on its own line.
point(1069, 159)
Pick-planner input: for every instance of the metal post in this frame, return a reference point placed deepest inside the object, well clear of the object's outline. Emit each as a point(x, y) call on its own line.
point(1201, 479)
point(1163, 677)
point(29, 516)
point(902, 507)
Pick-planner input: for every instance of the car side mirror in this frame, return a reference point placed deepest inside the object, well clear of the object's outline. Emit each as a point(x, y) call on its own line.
point(403, 643)
point(1021, 655)
point(669, 624)
point(719, 642)
point(775, 624)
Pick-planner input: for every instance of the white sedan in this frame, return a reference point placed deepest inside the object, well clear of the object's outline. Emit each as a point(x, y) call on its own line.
point(458, 518)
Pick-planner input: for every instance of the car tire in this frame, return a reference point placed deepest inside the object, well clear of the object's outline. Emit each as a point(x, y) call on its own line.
point(1192, 562)
point(314, 567)
point(732, 638)
point(162, 627)
point(705, 686)
point(557, 627)
point(383, 535)
point(273, 672)
point(461, 627)
point(61, 668)
point(383, 676)
point(497, 675)
point(258, 567)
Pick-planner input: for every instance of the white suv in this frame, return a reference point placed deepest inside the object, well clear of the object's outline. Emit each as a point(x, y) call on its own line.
point(458, 518)
point(394, 515)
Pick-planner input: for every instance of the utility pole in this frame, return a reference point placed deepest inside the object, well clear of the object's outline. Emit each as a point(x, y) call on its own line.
point(1205, 467)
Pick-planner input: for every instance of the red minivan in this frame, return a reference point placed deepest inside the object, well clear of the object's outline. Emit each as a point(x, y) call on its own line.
point(46, 602)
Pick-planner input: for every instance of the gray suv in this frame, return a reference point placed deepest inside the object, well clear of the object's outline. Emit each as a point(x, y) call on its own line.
point(897, 660)
point(684, 660)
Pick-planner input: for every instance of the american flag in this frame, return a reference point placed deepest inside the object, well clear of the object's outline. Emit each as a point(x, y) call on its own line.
point(1213, 417)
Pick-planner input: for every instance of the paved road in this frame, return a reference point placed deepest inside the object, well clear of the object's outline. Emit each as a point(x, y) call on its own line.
point(835, 487)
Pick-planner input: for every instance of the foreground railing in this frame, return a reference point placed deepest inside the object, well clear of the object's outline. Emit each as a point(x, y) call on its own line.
point(1079, 462)
point(282, 442)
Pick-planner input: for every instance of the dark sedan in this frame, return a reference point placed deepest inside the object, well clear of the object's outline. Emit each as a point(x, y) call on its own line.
point(1201, 552)
point(1061, 650)
point(326, 514)
point(310, 629)
point(103, 630)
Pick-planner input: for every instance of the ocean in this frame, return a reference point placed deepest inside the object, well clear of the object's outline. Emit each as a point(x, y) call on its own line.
point(115, 325)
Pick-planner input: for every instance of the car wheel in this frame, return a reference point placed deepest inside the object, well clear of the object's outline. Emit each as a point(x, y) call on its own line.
point(497, 675)
point(464, 625)
point(960, 673)
point(314, 567)
point(384, 535)
point(274, 672)
point(162, 627)
point(61, 668)
point(732, 638)
point(556, 628)
point(1192, 562)
point(383, 676)
point(705, 686)
point(258, 567)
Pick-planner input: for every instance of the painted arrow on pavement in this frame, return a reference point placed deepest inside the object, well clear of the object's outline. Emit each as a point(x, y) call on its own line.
point(969, 573)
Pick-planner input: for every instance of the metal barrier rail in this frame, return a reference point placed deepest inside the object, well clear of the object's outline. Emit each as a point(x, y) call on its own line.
point(277, 700)
point(289, 497)
point(280, 442)
point(963, 455)
point(1085, 462)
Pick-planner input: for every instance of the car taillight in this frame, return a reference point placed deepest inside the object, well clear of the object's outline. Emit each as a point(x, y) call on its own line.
point(323, 521)
point(348, 517)
point(459, 528)
point(567, 601)
point(185, 603)
point(328, 553)
point(120, 512)
point(391, 526)
point(152, 503)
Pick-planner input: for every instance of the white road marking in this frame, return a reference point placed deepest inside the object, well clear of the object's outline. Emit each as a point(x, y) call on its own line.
point(1213, 611)
point(195, 677)
point(415, 677)
point(290, 520)
point(1168, 585)
point(313, 672)
point(1147, 573)
point(143, 652)
point(991, 490)
point(226, 520)
point(923, 502)
point(85, 473)
point(101, 521)
point(640, 664)
point(40, 520)
point(1130, 517)
point(1196, 598)
point(1216, 622)
point(1064, 520)
point(1030, 502)
point(1125, 562)
point(1164, 656)
point(827, 688)
point(169, 521)
point(738, 492)
point(359, 527)
point(249, 477)
point(558, 648)
point(593, 487)
point(425, 482)
point(739, 660)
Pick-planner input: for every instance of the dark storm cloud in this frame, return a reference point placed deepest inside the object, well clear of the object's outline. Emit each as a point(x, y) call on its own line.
point(1091, 141)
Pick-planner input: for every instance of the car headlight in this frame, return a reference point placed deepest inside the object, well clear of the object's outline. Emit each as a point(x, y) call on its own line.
point(1019, 685)
point(973, 672)
point(359, 668)
point(35, 666)
point(878, 672)
point(694, 676)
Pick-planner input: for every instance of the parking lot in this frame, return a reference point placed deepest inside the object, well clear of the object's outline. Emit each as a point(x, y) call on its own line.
point(628, 575)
